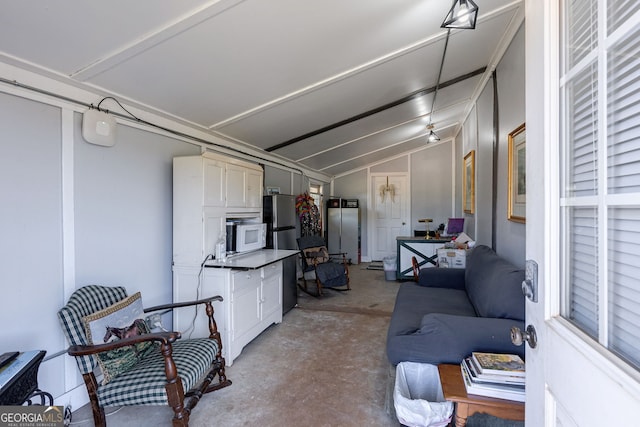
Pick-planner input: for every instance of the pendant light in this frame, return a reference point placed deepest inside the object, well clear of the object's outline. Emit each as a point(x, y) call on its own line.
point(462, 15)
point(432, 137)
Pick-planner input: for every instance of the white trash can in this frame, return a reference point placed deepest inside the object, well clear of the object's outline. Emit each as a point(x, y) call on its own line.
point(418, 398)
point(389, 266)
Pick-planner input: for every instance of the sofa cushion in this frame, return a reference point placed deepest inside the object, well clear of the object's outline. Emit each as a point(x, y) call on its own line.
point(413, 302)
point(494, 285)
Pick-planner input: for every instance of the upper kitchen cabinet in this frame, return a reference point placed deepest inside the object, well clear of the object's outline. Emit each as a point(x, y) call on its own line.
point(222, 181)
point(244, 186)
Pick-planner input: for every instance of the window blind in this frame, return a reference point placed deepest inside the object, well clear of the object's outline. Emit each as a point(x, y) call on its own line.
point(600, 172)
point(619, 11)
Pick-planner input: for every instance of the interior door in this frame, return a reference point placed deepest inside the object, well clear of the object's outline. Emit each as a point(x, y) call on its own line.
point(390, 208)
point(576, 376)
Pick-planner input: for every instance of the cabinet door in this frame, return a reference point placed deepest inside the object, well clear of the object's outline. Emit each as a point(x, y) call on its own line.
point(245, 311)
point(254, 188)
point(214, 183)
point(236, 186)
point(271, 295)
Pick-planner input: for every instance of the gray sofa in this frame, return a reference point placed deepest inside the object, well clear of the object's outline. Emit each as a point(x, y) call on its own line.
point(449, 312)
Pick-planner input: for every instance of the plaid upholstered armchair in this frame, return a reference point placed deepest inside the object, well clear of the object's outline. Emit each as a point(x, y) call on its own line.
point(107, 328)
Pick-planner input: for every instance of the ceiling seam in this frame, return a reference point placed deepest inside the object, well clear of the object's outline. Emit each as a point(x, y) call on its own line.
point(351, 141)
point(380, 149)
point(416, 94)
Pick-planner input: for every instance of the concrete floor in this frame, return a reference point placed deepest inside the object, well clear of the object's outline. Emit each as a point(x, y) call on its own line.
point(324, 365)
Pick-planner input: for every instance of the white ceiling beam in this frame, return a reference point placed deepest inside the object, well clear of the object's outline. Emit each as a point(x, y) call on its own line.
point(179, 25)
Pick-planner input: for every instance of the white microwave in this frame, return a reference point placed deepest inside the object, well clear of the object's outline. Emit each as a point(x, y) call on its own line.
point(245, 237)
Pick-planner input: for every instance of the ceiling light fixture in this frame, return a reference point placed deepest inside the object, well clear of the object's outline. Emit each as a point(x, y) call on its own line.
point(432, 137)
point(462, 15)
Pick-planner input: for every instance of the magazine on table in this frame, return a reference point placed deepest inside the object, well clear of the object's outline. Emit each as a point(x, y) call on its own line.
point(499, 391)
point(498, 364)
point(517, 382)
point(492, 378)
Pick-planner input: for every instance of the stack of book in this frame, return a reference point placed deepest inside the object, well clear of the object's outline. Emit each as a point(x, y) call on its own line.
point(494, 375)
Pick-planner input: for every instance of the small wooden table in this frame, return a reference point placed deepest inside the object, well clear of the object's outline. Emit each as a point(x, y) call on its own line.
point(465, 405)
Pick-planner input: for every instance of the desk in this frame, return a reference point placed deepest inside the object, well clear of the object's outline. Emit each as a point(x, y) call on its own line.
point(454, 390)
point(19, 380)
point(425, 251)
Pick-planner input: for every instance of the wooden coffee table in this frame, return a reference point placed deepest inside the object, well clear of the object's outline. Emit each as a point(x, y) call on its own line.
point(465, 405)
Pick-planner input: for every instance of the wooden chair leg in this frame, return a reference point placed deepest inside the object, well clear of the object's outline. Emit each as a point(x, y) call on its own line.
point(99, 418)
point(174, 388)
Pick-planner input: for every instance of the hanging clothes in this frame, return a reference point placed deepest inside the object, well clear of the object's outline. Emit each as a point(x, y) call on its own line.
point(309, 214)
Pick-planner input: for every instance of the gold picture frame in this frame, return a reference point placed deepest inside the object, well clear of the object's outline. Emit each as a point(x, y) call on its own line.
point(517, 196)
point(469, 183)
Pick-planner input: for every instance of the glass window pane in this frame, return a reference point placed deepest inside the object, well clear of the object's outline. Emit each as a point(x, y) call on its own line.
point(623, 116)
point(619, 11)
point(581, 149)
point(624, 286)
point(581, 268)
point(581, 26)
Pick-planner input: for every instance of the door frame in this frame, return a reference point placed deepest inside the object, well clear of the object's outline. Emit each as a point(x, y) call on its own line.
point(553, 388)
point(371, 240)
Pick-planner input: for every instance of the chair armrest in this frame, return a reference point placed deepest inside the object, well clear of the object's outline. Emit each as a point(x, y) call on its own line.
point(182, 304)
point(452, 278)
point(86, 350)
point(213, 327)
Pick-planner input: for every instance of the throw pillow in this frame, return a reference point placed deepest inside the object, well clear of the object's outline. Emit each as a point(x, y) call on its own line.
point(123, 319)
point(318, 253)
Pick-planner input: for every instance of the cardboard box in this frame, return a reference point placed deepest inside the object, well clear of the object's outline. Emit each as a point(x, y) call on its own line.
point(452, 258)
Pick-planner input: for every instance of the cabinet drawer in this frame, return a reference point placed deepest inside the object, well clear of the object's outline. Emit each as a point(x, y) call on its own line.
point(272, 270)
point(244, 280)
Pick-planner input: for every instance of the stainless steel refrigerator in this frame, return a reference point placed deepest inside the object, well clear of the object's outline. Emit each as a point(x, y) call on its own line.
point(343, 228)
point(279, 213)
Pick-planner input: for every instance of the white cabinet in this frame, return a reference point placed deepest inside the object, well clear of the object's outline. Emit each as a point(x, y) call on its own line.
point(205, 189)
point(244, 187)
point(245, 303)
point(236, 186)
point(252, 302)
point(271, 292)
point(214, 183)
point(254, 188)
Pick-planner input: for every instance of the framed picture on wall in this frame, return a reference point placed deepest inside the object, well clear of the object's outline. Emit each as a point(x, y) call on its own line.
point(517, 197)
point(469, 183)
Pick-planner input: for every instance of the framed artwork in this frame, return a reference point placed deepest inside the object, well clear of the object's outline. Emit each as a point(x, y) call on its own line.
point(517, 197)
point(469, 183)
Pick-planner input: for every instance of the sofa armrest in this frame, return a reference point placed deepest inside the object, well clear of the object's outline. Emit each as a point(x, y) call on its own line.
point(452, 278)
point(446, 338)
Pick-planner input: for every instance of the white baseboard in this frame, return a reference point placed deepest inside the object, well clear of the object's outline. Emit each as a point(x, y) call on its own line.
point(77, 398)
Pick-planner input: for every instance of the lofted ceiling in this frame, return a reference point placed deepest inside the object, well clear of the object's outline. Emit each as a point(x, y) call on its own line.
point(333, 85)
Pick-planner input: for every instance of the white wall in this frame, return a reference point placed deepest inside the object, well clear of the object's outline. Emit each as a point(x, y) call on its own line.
point(74, 214)
point(510, 236)
point(431, 186)
point(477, 134)
point(31, 228)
